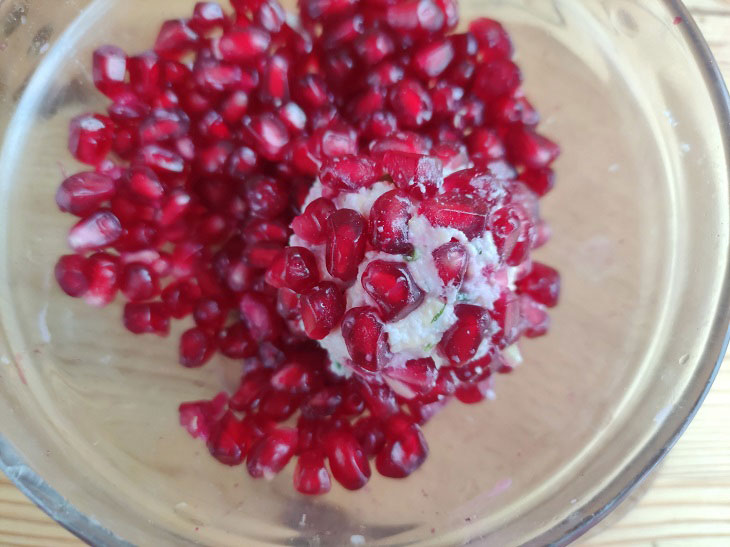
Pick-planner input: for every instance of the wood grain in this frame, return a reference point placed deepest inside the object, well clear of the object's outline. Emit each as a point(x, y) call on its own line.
point(687, 502)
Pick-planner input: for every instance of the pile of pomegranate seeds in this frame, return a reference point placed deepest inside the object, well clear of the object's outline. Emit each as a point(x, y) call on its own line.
point(345, 204)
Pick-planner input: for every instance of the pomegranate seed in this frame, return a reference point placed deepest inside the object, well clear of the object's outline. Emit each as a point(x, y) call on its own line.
point(293, 378)
point(270, 16)
point(180, 297)
point(367, 344)
point(109, 69)
point(293, 117)
point(83, 193)
point(337, 140)
point(530, 149)
point(287, 304)
point(420, 175)
point(451, 261)
point(460, 343)
point(542, 284)
point(411, 103)
point(405, 448)
point(254, 386)
point(346, 234)
point(263, 254)
point(324, 402)
point(540, 181)
point(71, 275)
point(271, 454)
point(242, 44)
point(506, 314)
point(497, 78)
point(267, 135)
point(267, 197)
point(473, 393)
point(401, 141)
point(369, 433)
point(505, 225)
point(199, 417)
point(196, 347)
point(214, 78)
point(311, 225)
point(209, 313)
point(349, 173)
point(144, 317)
point(235, 342)
point(229, 440)
point(513, 109)
point(260, 317)
point(161, 160)
point(295, 269)
point(274, 86)
point(311, 476)
point(385, 74)
point(486, 143)
point(279, 405)
point(175, 38)
point(391, 286)
point(459, 211)
point(374, 47)
point(418, 16)
point(415, 377)
point(494, 42)
point(322, 309)
point(324, 9)
point(445, 386)
point(90, 138)
point(389, 218)
point(461, 72)
point(138, 282)
point(348, 462)
point(433, 59)
point(207, 16)
point(96, 231)
point(535, 318)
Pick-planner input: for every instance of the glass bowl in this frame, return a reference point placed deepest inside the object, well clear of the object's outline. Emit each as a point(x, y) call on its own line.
point(640, 215)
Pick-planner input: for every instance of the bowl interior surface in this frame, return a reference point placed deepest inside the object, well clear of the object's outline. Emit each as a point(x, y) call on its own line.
point(640, 220)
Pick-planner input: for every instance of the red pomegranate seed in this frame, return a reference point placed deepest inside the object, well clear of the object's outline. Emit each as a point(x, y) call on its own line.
point(260, 317)
point(254, 386)
point(389, 218)
point(267, 135)
point(446, 98)
point(262, 255)
point(400, 141)
point(96, 231)
point(311, 91)
point(530, 149)
point(374, 47)
point(209, 313)
point(90, 138)
point(496, 78)
point(270, 16)
point(213, 78)
point(418, 16)
point(324, 402)
point(196, 347)
point(473, 393)
point(229, 440)
point(405, 448)
point(369, 433)
point(494, 42)
point(460, 343)
point(451, 261)
point(512, 109)
point(349, 173)
point(199, 417)
point(175, 38)
point(207, 16)
point(348, 462)
point(322, 309)
point(433, 59)
point(138, 282)
point(83, 193)
point(296, 269)
point(506, 314)
point(271, 454)
point(391, 286)
point(325, 9)
point(287, 304)
point(310, 475)
point(540, 181)
point(367, 344)
point(274, 85)
point(505, 226)
point(103, 273)
point(267, 197)
point(235, 342)
point(311, 225)
point(266, 230)
point(144, 73)
point(293, 117)
point(486, 143)
point(450, 9)
point(180, 297)
point(411, 103)
point(445, 386)
point(293, 378)
point(459, 211)
point(242, 44)
point(346, 235)
point(385, 74)
point(415, 377)
point(163, 124)
point(279, 405)
point(542, 284)
point(535, 319)
point(147, 317)
point(109, 69)
point(128, 109)
point(71, 275)
point(420, 175)
point(163, 161)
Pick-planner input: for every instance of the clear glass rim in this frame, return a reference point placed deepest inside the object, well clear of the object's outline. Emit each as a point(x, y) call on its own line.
point(92, 532)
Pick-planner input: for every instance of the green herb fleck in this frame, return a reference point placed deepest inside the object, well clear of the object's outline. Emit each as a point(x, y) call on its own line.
point(461, 297)
point(439, 314)
point(411, 257)
point(428, 347)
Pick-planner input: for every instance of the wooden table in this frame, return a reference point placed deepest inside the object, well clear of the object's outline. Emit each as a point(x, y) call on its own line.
point(687, 502)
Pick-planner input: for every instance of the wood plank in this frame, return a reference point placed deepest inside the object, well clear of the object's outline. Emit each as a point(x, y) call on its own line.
point(687, 503)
